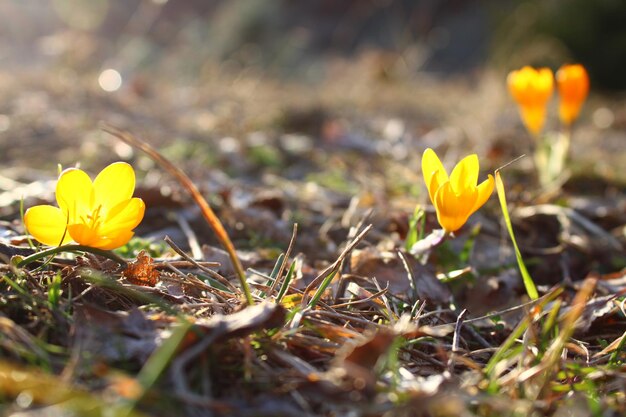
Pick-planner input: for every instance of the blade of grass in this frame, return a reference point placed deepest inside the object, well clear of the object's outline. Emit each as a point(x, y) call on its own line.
point(273, 274)
point(507, 345)
point(160, 358)
point(529, 284)
point(544, 372)
point(519, 330)
point(17, 287)
point(614, 358)
point(320, 290)
point(416, 227)
point(100, 279)
point(568, 325)
point(284, 261)
point(324, 277)
point(286, 282)
point(276, 268)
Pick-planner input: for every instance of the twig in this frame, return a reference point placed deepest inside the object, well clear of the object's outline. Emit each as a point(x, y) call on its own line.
point(191, 279)
point(348, 260)
point(205, 208)
point(411, 274)
point(196, 250)
point(332, 268)
point(476, 335)
point(361, 301)
point(183, 263)
point(344, 316)
point(210, 272)
point(455, 340)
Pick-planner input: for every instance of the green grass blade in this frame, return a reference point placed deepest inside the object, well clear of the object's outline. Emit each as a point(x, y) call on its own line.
point(614, 359)
point(160, 358)
point(276, 268)
point(322, 288)
point(286, 282)
point(531, 289)
point(416, 227)
point(507, 345)
point(274, 273)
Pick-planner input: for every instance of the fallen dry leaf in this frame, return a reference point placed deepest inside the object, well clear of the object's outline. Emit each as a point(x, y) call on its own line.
point(142, 271)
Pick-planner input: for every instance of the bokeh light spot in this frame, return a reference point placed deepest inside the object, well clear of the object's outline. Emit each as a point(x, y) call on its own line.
point(110, 80)
point(603, 118)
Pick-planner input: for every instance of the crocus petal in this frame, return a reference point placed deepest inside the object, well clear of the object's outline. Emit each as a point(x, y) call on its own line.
point(119, 240)
point(568, 112)
point(436, 180)
point(124, 216)
point(47, 224)
point(544, 85)
point(531, 87)
point(87, 236)
point(453, 209)
point(114, 242)
point(465, 173)
point(573, 83)
point(74, 193)
point(532, 90)
point(534, 118)
point(485, 189)
point(433, 171)
point(83, 234)
point(114, 184)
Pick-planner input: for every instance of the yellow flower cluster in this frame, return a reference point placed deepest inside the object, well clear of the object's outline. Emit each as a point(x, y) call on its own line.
point(532, 89)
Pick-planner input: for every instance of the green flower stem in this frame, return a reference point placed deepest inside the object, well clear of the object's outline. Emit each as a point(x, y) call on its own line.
point(531, 289)
point(70, 248)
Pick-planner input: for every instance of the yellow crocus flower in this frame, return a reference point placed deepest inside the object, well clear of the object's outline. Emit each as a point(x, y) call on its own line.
point(572, 82)
point(458, 196)
point(532, 88)
point(99, 214)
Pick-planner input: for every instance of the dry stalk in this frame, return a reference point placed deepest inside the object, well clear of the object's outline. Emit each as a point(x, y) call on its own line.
point(335, 265)
point(199, 265)
point(285, 260)
point(205, 208)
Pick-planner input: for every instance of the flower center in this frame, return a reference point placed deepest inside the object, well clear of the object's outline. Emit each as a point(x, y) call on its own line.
point(94, 219)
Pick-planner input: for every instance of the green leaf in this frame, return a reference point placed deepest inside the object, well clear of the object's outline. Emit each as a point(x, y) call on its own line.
point(320, 291)
point(416, 227)
point(531, 289)
point(286, 282)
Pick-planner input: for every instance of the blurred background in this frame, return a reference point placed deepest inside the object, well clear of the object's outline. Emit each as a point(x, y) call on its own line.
point(308, 111)
point(219, 80)
point(301, 39)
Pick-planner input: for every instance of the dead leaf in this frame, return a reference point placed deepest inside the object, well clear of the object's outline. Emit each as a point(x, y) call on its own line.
point(142, 271)
point(114, 336)
point(388, 270)
point(244, 322)
point(611, 347)
point(368, 353)
point(353, 368)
